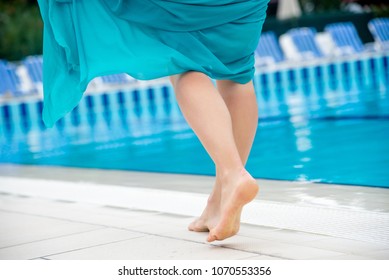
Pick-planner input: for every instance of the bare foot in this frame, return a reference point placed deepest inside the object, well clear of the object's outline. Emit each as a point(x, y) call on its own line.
point(211, 213)
point(239, 189)
point(207, 220)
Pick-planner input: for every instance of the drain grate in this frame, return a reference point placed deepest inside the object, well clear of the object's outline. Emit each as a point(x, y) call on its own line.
point(345, 223)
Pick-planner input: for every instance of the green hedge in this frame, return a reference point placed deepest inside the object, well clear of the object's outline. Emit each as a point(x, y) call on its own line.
point(20, 29)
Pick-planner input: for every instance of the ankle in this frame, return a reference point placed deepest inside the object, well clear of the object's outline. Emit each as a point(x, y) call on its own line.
point(226, 174)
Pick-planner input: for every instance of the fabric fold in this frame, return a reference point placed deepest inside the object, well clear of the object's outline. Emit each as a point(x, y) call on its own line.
point(146, 39)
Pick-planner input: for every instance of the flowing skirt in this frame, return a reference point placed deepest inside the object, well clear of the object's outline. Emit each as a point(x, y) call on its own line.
point(146, 39)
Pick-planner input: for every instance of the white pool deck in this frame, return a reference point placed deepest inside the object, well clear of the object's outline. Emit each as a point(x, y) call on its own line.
point(75, 214)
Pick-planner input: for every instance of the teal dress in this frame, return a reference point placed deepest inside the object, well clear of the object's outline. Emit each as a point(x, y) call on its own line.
point(146, 39)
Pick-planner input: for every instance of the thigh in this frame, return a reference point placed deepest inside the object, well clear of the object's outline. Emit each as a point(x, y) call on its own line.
point(174, 78)
point(226, 87)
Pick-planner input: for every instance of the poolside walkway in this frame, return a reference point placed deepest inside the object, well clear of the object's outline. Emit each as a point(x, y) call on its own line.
point(70, 213)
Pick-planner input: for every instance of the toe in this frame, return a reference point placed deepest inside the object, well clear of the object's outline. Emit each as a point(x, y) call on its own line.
point(211, 237)
point(191, 226)
point(198, 226)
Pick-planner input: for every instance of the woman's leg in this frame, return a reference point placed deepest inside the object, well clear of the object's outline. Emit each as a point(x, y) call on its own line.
point(242, 105)
point(209, 117)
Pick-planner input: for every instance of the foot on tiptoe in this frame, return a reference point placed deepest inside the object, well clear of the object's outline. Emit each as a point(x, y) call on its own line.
point(238, 189)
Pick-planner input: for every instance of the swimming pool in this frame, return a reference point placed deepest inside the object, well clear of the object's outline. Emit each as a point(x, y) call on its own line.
point(326, 122)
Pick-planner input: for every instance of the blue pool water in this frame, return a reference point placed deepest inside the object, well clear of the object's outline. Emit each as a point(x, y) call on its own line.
point(321, 123)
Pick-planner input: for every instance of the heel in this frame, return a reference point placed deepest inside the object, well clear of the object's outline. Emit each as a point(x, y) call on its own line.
point(247, 191)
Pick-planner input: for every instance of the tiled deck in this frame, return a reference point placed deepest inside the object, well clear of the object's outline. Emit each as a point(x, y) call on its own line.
point(290, 220)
